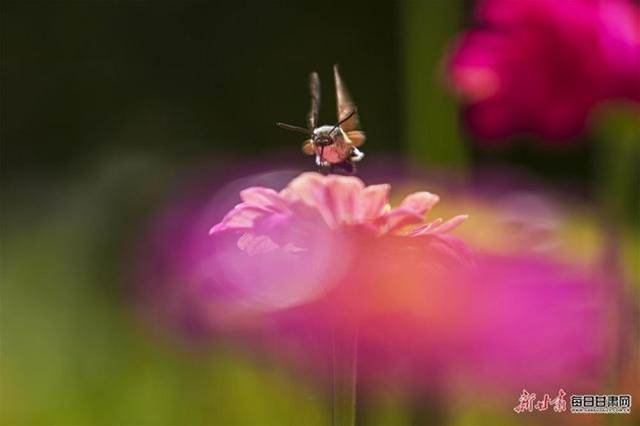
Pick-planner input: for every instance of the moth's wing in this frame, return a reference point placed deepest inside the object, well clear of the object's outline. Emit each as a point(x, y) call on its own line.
point(314, 86)
point(357, 137)
point(345, 104)
point(308, 148)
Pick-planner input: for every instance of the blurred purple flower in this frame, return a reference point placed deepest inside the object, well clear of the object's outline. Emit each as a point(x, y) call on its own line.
point(542, 66)
point(538, 323)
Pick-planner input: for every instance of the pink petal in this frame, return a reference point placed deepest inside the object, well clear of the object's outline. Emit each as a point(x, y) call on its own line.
point(425, 229)
point(241, 217)
point(420, 202)
point(303, 188)
point(265, 198)
point(450, 249)
point(438, 226)
point(399, 217)
point(451, 223)
point(342, 198)
point(411, 210)
point(333, 197)
point(254, 244)
point(371, 202)
point(309, 190)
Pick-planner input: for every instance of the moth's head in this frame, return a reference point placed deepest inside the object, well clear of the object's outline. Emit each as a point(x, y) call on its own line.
point(325, 135)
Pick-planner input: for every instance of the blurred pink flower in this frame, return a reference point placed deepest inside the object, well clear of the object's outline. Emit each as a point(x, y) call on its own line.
point(326, 258)
point(538, 323)
point(310, 266)
point(510, 322)
point(320, 265)
point(321, 237)
point(542, 66)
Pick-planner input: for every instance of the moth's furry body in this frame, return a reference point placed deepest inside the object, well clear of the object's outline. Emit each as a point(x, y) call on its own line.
point(337, 149)
point(337, 144)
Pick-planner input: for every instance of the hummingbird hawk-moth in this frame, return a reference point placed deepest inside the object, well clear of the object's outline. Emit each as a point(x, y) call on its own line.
point(332, 145)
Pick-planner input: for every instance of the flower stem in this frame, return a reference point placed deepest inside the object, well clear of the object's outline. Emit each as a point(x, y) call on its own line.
point(619, 151)
point(344, 365)
point(618, 183)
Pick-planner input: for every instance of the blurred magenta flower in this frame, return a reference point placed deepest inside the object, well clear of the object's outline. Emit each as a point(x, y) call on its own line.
point(542, 66)
point(326, 258)
point(507, 323)
point(298, 272)
point(539, 323)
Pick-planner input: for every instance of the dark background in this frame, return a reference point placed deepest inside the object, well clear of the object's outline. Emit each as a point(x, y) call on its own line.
point(186, 78)
point(182, 80)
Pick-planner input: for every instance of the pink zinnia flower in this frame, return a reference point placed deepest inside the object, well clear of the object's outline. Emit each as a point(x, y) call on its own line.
point(312, 205)
point(542, 66)
point(321, 231)
point(318, 227)
point(327, 256)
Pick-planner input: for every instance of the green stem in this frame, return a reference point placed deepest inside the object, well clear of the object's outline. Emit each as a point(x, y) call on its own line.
point(619, 148)
point(618, 183)
point(432, 130)
point(344, 380)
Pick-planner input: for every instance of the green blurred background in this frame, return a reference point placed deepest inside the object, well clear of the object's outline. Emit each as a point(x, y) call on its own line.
point(106, 103)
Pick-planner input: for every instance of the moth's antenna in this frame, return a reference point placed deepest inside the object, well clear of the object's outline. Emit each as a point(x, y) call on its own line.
point(293, 128)
point(351, 114)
